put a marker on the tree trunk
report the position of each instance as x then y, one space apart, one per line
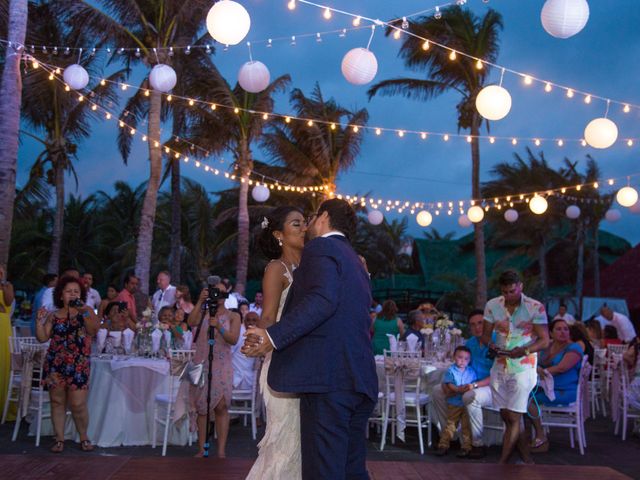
542 261
58 219
478 228
148 214
596 261
580 266
10 99
243 222
176 222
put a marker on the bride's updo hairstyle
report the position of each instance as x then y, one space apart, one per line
273 222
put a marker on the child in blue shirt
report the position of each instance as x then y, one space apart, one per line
460 378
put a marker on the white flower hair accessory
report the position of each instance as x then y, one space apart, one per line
265 223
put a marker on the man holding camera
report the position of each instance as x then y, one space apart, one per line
520 325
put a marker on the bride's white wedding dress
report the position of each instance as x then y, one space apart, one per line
279 456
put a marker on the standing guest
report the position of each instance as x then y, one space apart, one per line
67 364
626 331
93 297
595 332
48 281
520 324
6 299
183 299
580 336
126 295
564 315
415 319
112 293
175 325
256 306
632 360
47 296
165 296
226 325
387 322
243 366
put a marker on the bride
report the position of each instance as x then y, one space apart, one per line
282 240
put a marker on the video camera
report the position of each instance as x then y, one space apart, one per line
494 352
215 294
76 303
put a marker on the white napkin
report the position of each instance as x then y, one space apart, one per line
393 342
187 339
547 383
117 338
155 340
101 338
127 340
412 342
167 338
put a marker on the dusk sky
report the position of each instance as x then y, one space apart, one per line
601 59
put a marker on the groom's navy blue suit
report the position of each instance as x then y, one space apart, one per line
323 351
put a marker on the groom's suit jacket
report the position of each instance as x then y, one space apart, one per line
322 339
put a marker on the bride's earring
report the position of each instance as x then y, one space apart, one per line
280 242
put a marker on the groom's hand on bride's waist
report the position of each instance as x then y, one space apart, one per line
256 342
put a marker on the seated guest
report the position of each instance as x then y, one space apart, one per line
243 366
387 322
580 336
256 306
416 322
563 360
243 309
595 332
117 317
183 300
166 317
610 337
632 360
564 315
112 293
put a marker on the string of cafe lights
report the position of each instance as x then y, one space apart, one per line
258 179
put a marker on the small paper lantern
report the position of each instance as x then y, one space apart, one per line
162 78
493 102
424 218
572 212
254 76
511 215
627 196
464 221
475 214
228 22
564 18
359 66
375 217
260 193
76 76
613 215
601 133
538 205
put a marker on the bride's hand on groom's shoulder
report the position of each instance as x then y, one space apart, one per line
256 343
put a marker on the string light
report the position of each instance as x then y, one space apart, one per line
327 13
547 87
587 99
425 45
528 80
570 93
453 55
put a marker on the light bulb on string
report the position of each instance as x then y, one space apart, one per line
453 55
327 13
626 108
587 99
569 93
547 87
356 21
479 65
528 80
396 34
291 5
425 45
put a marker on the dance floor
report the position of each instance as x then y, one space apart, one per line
94 467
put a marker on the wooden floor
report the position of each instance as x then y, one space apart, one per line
96 467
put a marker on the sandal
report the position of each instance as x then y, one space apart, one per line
540 446
86 446
57 447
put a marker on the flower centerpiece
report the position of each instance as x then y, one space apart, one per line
143 332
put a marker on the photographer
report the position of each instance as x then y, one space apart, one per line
210 313
66 366
118 318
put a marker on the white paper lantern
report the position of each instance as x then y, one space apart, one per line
601 133
228 22
613 215
475 214
359 66
635 208
564 18
254 76
260 193
511 215
76 76
538 205
464 221
375 217
572 212
424 218
493 102
627 196
162 78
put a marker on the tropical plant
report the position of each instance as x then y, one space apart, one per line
462 31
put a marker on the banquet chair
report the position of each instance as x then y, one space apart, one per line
611 351
414 399
597 382
491 420
570 416
15 375
377 416
624 410
244 402
164 406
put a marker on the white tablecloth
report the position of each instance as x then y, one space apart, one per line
121 402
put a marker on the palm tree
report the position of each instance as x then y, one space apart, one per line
464 32
150 27
434 234
316 154
15 16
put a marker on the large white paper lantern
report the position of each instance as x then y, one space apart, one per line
493 102
564 18
613 215
228 22
538 205
260 193
627 196
254 76
359 66
601 133
635 208
464 221
375 217
475 214
572 212
424 218
511 215
162 78
76 76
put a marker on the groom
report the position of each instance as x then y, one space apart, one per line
322 349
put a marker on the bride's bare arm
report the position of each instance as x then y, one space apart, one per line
273 283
